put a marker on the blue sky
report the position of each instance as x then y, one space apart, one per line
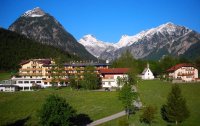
108 20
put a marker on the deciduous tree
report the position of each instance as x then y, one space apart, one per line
127 96
56 112
148 115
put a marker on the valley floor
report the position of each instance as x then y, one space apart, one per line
23 106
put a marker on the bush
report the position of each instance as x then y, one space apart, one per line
56 112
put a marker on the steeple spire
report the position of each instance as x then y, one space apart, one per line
147 65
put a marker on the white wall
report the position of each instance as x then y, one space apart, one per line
108 83
148 75
186 70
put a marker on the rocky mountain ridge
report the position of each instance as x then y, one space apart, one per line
44 28
166 39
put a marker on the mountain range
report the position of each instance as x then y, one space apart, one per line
44 28
154 43
166 39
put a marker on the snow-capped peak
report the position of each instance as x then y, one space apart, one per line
168 28
95 46
90 40
35 12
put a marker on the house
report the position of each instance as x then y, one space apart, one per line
184 72
147 74
9 88
109 76
32 72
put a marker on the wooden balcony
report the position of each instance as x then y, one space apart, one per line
31 69
186 74
59 74
30 74
69 68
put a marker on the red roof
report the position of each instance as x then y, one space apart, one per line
114 71
179 66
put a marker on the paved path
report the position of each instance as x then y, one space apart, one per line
106 119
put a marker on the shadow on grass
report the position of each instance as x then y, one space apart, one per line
81 120
20 122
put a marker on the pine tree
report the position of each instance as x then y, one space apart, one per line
175 110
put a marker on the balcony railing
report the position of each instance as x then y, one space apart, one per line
185 74
30 74
30 69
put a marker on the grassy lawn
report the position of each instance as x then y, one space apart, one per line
155 92
4 76
19 105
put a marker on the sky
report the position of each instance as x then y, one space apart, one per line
107 20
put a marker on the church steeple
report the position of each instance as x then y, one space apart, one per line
147 65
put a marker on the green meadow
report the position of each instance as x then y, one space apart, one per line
155 92
23 106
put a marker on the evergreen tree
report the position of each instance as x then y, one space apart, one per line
56 112
148 115
175 110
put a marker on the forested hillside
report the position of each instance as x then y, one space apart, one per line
14 48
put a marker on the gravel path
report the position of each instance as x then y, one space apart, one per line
108 118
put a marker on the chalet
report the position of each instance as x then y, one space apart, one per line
147 74
109 76
184 72
32 72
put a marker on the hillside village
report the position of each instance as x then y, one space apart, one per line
44 73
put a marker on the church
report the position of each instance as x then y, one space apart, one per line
147 74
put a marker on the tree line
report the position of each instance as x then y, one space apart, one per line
157 67
15 47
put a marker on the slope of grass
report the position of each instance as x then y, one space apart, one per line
19 105
155 92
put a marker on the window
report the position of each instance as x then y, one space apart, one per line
38 81
32 82
20 82
26 82
45 83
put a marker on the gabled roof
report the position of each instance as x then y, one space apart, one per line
114 71
43 61
174 68
144 71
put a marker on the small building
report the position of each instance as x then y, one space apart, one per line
183 72
109 76
9 88
147 74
